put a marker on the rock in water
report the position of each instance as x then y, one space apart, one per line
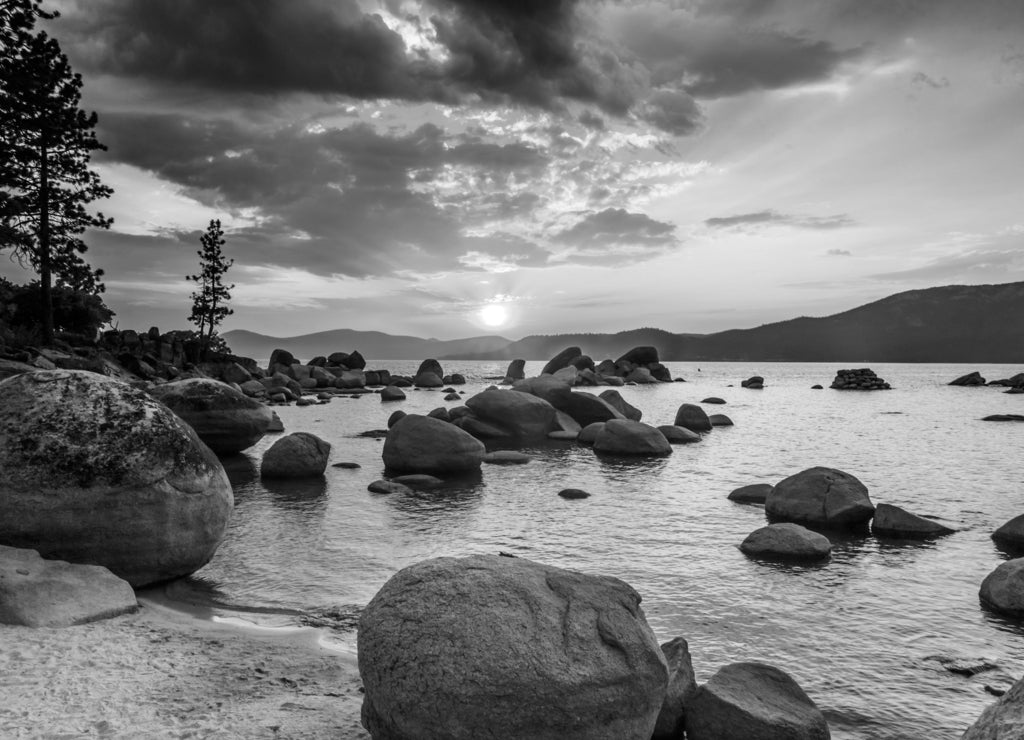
562 359
682 687
861 379
625 437
297 455
1003 720
892 521
422 444
1010 536
523 416
755 493
1003 589
693 417
786 541
971 379
97 472
822 497
678 435
615 399
53 593
226 420
486 646
744 701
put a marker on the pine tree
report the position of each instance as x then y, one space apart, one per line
209 303
46 142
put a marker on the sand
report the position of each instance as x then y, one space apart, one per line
163 673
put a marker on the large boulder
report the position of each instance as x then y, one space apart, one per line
1003 720
281 357
743 701
786 541
422 444
625 437
524 416
586 408
490 646
1003 589
620 404
640 356
516 371
555 391
820 497
693 417
892 521
95 471
562 359
226 420
296 455
428 380
430 366
53 593
678 435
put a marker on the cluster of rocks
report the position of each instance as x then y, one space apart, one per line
754 382
544 653
1013 384
862 379
640 365
827 499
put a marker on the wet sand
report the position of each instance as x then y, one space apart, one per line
163 673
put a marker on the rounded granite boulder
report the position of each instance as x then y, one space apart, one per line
423 444
522 416
489 646
97 472
225 419
892 521
625 437
820 497
296 455
693 417
1003 589
786 541
1010 536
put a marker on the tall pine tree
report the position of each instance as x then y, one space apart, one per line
46 142
209 302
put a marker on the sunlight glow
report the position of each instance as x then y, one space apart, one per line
493 314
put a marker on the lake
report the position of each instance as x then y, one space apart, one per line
857 633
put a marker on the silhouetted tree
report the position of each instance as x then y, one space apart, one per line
46 142
209 303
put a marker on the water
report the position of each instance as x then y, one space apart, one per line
855 633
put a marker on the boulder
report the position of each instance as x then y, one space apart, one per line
395 417
440 413
892 521
276 425
551 389
620 404
1002 720
525 417
1003 589
682 687
235 373
562 359
388 486
349 379
253 388
355 361
756 493
640 356
391 393
95 471
419 481
481 429
860 379
586 408
507 457
282 357
1004 417
490 646
337 358
567 375
430 366
573 494
428 380
296 455
421 444
565 423
1010 536
786 541
678 435
625 437
516 371
754 381
583 362
693 417
54 593
589 433
743 701
820 497
971 379
454 379
713 400
640 376
225 419
720 420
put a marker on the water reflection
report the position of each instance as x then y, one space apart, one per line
241 469
298 494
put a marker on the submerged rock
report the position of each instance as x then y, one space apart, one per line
508 647
95 471
573 493
822 497
507 457
1003 720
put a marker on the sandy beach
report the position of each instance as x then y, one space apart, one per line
163 673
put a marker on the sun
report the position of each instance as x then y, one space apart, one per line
493 314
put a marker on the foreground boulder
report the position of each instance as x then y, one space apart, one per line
625 437
97 472
423 444
1003 720
786 541
682 687
892 521
753 700
820 497
226 420
1003 589
53 593
297 455
490 646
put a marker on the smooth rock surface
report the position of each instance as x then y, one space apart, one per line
1003 589
756 493
892 521
682 687
693 417
678 435
54 593
524 416
616 401
296 455
422 444
225 419
505 647
786 541
823 497
744 701
1010 536
625 437
589 433
1003 720
95 471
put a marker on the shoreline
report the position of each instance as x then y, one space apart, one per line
171 672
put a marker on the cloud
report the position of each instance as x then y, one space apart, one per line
998 262
772 217
673 111
839 253
920 79
615 230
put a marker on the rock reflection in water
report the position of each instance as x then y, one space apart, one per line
298 494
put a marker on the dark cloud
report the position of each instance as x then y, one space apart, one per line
673 111
618 227
769 217
839 253
591 120
920 79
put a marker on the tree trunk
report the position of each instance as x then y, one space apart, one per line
45 276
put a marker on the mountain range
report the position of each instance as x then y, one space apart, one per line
956 323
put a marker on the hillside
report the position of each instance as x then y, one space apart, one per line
957 323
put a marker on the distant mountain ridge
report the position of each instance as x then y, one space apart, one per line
956 323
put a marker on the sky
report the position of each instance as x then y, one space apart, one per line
451 168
